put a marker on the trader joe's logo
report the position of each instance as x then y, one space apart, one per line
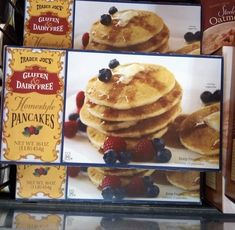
34 79
48 23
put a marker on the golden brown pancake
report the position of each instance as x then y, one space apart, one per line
100 124
128 27
131 85
197 135
148 126
96 175
192 48
189 180
160 106
97 138
153 44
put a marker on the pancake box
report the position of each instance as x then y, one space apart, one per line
113 26
48 23
132 185
40 182
75 106
218 25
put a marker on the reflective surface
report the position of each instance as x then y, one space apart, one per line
25 217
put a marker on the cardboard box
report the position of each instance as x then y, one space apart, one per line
149 96
136 185
48 23
40 182
218 25
138 27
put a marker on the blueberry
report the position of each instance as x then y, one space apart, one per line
113 10
84 169
197 36
105 75
110 157
107 193
148 181
158 143
216 95
163 156
189 37
152 191
81 127
73 116
105 19
119 193
206 97
36 132
113 63
26 129
125 157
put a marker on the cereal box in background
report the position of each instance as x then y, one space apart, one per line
218 24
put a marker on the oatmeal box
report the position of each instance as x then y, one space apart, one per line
218 25
132 185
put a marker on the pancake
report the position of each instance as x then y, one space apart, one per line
96 175
128 27
158 107
97 138
192 48
131 85
148 126
153 44
199 132
189 180
100 124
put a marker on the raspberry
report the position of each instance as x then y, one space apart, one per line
70 128
73 171
136 187
32 130
117 144
80 99
143 151
85 39
111 181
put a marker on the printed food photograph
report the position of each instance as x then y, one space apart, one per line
142 110
118 185
114 26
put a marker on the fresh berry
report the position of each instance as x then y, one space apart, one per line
143 151
136 187
152 191
113 10
125 157
158 143
73 171
85 39
119 193
113 63
206 97
70 128
73 116
163 156
217 95
111 181
32 129
107 193
80 97
105 19
36 132
117 144
148 181
26 129
110 157
189 37
105 75
198 36
81 126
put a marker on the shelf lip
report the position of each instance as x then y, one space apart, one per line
71 208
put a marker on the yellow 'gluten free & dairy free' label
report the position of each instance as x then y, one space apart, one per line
33 105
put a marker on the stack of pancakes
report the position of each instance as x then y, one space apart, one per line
130 30
97 174
140 101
